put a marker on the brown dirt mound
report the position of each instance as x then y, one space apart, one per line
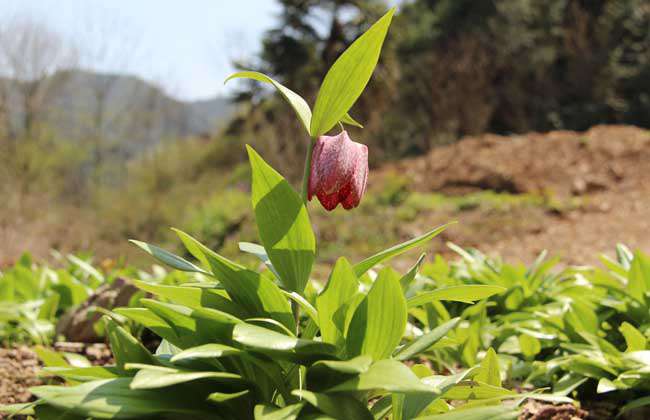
562 163
607 168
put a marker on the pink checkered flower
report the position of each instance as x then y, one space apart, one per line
339 171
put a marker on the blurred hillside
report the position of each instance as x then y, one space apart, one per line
131 115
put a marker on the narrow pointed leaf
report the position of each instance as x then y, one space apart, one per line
385 255
206 351
125 347
168 258
348 77
427 340
466 293
255 293
162 378
489 371
347 119
296 101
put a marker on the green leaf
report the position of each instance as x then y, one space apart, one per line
427 340
489 371
410 406
379 321
154 323
347 119
219 397
639 402
193 297
332 303
325 374
194 326
529 345
385 255
472 390
125 347
168 258
259 252
634 339
359 364
337 406
267 412
304 304
276 344
385 375
466 293
26 409
206 351
348 77
83 374
296 101
50 358
162 377
408 278
502 412
49 308
113 398
86 268
257 294
283 224
639 277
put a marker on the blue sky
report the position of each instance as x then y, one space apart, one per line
184 45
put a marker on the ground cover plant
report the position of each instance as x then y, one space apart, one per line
34 298
580 331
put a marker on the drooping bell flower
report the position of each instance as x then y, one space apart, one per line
339 171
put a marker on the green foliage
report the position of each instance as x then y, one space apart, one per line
283 224
579 330
33 297
232 347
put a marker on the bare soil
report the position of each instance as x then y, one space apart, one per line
605 169
19 368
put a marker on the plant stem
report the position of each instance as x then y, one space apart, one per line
305 174
305 185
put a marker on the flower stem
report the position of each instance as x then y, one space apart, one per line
305 185
305 174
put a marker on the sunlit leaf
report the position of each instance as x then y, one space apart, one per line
466 293
283 224
380 319
348 77
298 104
385 255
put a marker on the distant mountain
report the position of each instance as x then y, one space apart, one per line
128 114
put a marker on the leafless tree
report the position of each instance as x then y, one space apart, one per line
109 47
31 55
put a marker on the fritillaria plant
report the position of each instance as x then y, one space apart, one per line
235 347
